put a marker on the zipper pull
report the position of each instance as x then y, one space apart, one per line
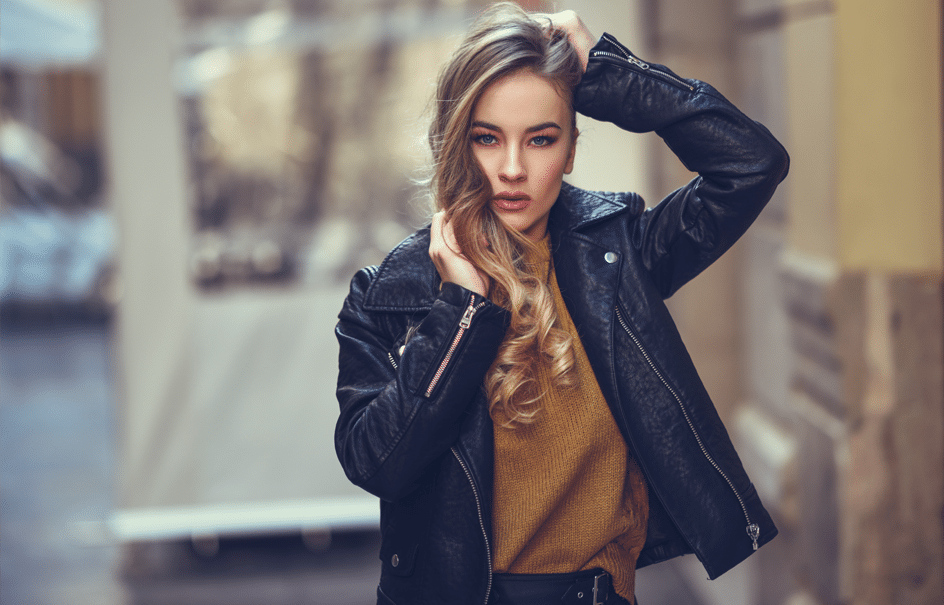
753 531
637 62
467 316
626 54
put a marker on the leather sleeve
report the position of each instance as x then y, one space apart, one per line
739 163
392 425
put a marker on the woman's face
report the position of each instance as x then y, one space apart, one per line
524 139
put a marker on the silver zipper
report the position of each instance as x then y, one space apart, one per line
478 506
393 361
464 324
753 530
627 56
631 59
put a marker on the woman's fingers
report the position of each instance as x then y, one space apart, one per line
449 236
435 232
446 255
577 32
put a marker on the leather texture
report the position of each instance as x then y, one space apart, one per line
428 455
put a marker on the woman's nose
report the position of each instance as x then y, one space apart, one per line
512 168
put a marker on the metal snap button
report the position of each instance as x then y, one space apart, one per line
394 560
401 350
610 257
579 595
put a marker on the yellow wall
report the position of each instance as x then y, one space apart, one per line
810 88
888 108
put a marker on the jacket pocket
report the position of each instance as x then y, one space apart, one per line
398 552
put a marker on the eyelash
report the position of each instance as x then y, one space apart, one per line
548 140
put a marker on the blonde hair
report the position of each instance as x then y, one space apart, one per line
503 40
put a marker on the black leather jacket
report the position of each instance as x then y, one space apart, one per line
414 427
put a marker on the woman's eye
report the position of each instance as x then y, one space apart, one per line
542 141
485 139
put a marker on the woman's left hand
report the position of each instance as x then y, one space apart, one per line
577 32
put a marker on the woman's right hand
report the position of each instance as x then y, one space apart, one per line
452 265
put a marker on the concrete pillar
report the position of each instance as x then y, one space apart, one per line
147 184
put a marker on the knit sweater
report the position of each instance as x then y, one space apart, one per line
567 496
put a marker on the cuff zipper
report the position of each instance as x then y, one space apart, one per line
464 324
629 58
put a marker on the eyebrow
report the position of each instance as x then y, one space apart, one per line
535 128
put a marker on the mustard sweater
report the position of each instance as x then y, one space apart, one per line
567 496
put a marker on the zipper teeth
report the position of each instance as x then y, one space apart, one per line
478 506
627 56
620 47
470 311
673 78
393 361
603 53
445 362
691 426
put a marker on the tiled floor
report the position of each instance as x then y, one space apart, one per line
57 463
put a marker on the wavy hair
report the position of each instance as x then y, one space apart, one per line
503 40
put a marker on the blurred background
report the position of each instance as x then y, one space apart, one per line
187 186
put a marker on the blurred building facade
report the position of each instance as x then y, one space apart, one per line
820 335
56 236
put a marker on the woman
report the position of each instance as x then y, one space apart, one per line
511 384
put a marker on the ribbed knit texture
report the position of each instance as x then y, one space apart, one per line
567 497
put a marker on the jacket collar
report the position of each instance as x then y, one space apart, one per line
407 279
577 208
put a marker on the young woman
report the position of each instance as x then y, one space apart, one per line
511 384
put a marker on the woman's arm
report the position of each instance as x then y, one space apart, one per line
401 411
738 161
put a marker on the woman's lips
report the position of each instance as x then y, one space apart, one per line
511 201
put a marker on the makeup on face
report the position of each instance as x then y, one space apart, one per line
523 139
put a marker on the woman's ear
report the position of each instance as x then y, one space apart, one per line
568 168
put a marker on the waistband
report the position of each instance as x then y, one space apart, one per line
591 587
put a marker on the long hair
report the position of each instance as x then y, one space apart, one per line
503 40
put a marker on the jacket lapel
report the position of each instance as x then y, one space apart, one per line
587 262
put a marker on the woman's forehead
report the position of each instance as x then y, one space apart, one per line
521 99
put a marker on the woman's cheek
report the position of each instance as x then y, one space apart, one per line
556 169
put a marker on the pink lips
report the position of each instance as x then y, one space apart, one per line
512 200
